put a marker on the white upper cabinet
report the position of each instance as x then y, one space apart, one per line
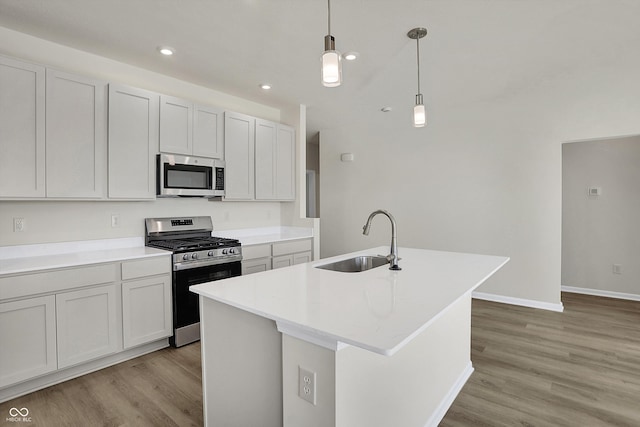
133 142
275 161
190 129
285 156
239 146
22 129
176 118
75 136
266 142
208 136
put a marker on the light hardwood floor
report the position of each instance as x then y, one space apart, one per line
532 368
541 368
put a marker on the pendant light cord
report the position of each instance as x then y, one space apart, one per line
329 17
418 56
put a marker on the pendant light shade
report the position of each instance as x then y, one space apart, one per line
331 58
419 112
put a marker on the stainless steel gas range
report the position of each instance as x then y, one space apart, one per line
197 258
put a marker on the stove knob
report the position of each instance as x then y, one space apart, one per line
232 251
194 256
224 252
210 253
185 257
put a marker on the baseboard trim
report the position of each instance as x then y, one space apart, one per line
519 301
447 401
600 293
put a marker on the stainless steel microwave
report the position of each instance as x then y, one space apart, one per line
189 176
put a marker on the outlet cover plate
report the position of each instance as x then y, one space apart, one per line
307 385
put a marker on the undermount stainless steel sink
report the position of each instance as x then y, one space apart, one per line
356 264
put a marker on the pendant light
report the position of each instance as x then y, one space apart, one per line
419 113
331 58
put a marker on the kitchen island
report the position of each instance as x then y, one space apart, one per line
314 347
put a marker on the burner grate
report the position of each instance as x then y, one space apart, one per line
193 244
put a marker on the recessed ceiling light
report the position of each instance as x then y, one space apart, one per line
350 56
265 86
166 50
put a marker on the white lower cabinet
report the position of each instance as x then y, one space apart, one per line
88 326
257 258
290 253
251 266
282 261
28 337
291 259
64 318
146 310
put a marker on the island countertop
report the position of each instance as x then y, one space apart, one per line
378 310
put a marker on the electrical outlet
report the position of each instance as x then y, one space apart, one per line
115 220
307 385
617 269
19 224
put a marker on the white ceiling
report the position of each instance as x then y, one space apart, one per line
475 49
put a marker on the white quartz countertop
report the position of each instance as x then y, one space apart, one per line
378 310
258 236
32 258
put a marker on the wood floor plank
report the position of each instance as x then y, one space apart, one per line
540 368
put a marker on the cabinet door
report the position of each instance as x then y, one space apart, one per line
133 142
282 261
285 156
208 138
302 257
239 149
275 161
176 121
87 324
28 337
255 265
266 136
22 128
146 310
75 136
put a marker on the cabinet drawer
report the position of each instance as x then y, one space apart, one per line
284 248
146 267
52 281
256 251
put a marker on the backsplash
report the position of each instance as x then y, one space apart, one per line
50 221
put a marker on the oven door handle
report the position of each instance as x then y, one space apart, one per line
205 263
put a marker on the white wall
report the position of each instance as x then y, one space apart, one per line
52 221
599 231
482 177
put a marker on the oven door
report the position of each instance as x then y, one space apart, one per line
185 176
186 310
